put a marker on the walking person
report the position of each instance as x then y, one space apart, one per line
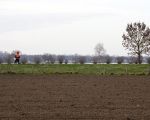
17 57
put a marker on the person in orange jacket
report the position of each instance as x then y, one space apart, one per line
17 57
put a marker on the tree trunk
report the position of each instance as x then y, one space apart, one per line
139 54
139 58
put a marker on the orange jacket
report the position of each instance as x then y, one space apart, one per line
17 56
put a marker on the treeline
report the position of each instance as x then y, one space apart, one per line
8 58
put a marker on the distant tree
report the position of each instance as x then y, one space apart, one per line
66 61
132 60
148 60
137 39
45 57
1 59
89 59
49 58
120 60
60 58
24 59
9 58
108 59
13 53
99 50
37 59
52 59
135 60
95 59
75 59
82 59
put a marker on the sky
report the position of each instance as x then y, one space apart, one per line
68 26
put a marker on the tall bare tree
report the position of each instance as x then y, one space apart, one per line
137 39
99 50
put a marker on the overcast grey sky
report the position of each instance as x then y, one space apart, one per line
68 26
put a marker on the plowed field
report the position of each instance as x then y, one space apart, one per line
74 97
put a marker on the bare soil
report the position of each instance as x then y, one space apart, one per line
74 97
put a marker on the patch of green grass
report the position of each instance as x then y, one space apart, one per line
93 69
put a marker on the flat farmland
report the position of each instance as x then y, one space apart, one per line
84 69
74 97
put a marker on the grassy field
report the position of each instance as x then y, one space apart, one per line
99 69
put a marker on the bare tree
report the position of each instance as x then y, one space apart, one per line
137 39
1 59
148 60
49 58
45 57
52 58
95 59
99 50
66 61
108 59
75 59
9 58
24 59
37 59
120 60
132 60
60 58
82 59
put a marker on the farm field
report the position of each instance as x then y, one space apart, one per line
74 97
85 69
